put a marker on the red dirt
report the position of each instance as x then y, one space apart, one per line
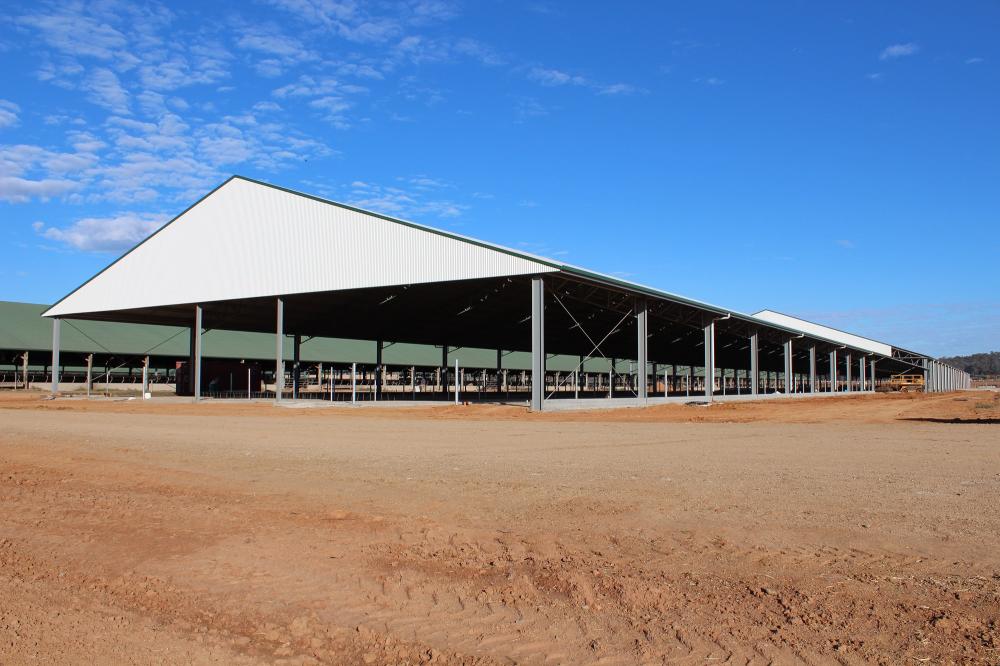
844 530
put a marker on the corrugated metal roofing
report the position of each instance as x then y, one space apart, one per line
828 332
250 240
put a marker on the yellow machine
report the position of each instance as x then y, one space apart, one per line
905 383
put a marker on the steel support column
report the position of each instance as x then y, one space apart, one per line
56 324
296 364
642 341
812 369
710 360
279 350
871 366
833 371
789 385
537 343
754 365
378 369
444 370
848 378
90 370
197 352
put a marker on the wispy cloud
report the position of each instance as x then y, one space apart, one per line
104 89
108 234
19 190
974 61
555 78
526 108
898 51
8 113
845 243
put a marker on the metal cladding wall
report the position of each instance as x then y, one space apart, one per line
247 240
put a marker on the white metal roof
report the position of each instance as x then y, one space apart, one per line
247 239
812 328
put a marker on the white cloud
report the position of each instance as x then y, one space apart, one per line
402 202
309 86
73 32
333 107
618 89
479 51
898 51
106 90
20 190
555 77
107 234
280 51
8 113
529 107
974 61
346 18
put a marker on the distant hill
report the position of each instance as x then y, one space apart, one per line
977 365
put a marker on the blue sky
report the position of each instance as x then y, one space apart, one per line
837 161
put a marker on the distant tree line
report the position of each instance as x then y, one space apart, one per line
977 365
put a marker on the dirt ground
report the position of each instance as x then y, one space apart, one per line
843 530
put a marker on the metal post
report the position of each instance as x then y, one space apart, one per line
378 369
871 366
90 369
197 352
754 364
499 371
296 350
458 379
24 370
642 336
861 374
833 371
848 359
789 386
145 377
709 360
444 370
812 369
665 385
354 383
537 343
279 350
928 370
56 322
